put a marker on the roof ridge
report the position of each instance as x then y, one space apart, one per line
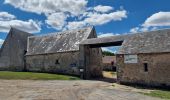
150 31
16 29
62 32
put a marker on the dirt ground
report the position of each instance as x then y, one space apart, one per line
65 90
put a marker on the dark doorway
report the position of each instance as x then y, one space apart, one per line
110 74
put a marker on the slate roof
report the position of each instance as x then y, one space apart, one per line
57 42
102 40
147 42
21 37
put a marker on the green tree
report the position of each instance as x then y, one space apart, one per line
107 53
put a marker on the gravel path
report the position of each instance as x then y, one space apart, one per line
64 90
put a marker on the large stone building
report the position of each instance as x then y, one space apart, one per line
54 53
60 53
109 63
144 58
13 50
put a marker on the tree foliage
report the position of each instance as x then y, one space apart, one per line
107 53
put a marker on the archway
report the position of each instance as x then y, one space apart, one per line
96 43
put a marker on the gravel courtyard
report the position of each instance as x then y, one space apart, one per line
64 90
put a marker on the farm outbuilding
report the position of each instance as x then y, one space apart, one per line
109 63
53 53
13 50
60 53
143 58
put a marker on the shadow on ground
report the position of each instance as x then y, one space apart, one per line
106 79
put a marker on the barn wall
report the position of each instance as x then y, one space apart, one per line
95 66
93 59
13 51
93 62
68 63
158 70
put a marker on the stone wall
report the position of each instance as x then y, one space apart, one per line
95 65
65 63
158 73
107 67
13 50
93 62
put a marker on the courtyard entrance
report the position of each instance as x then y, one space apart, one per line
114 41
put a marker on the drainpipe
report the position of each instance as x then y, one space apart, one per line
82 62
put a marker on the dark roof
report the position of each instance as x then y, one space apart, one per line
57 42
110 39
147 42
21 37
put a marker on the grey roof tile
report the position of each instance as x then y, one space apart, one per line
57 42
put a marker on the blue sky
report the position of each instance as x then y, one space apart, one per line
110 17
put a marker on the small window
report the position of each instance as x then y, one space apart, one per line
25 52
57 62
146 67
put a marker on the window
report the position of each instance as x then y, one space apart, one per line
146 67
25 52
57 62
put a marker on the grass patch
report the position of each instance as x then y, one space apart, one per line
113 73
113 85
164 94
34 76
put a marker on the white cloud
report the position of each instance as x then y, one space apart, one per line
103 9
74 7
99 19
56 20
1 41
107 34
6 16
140 29
107 49
113 49
94 18
154 22
75 24
134 30
158 19
58 12
10 21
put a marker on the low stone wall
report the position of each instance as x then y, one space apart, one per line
65 63
158 73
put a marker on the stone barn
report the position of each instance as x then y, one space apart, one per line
60 53
13 50
109 63
144 58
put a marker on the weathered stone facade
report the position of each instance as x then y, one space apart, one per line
93 62
65 63
53 53
61 53
13 50
151 52
158 73
109 63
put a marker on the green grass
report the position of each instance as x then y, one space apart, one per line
34 76
113 73
159 93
